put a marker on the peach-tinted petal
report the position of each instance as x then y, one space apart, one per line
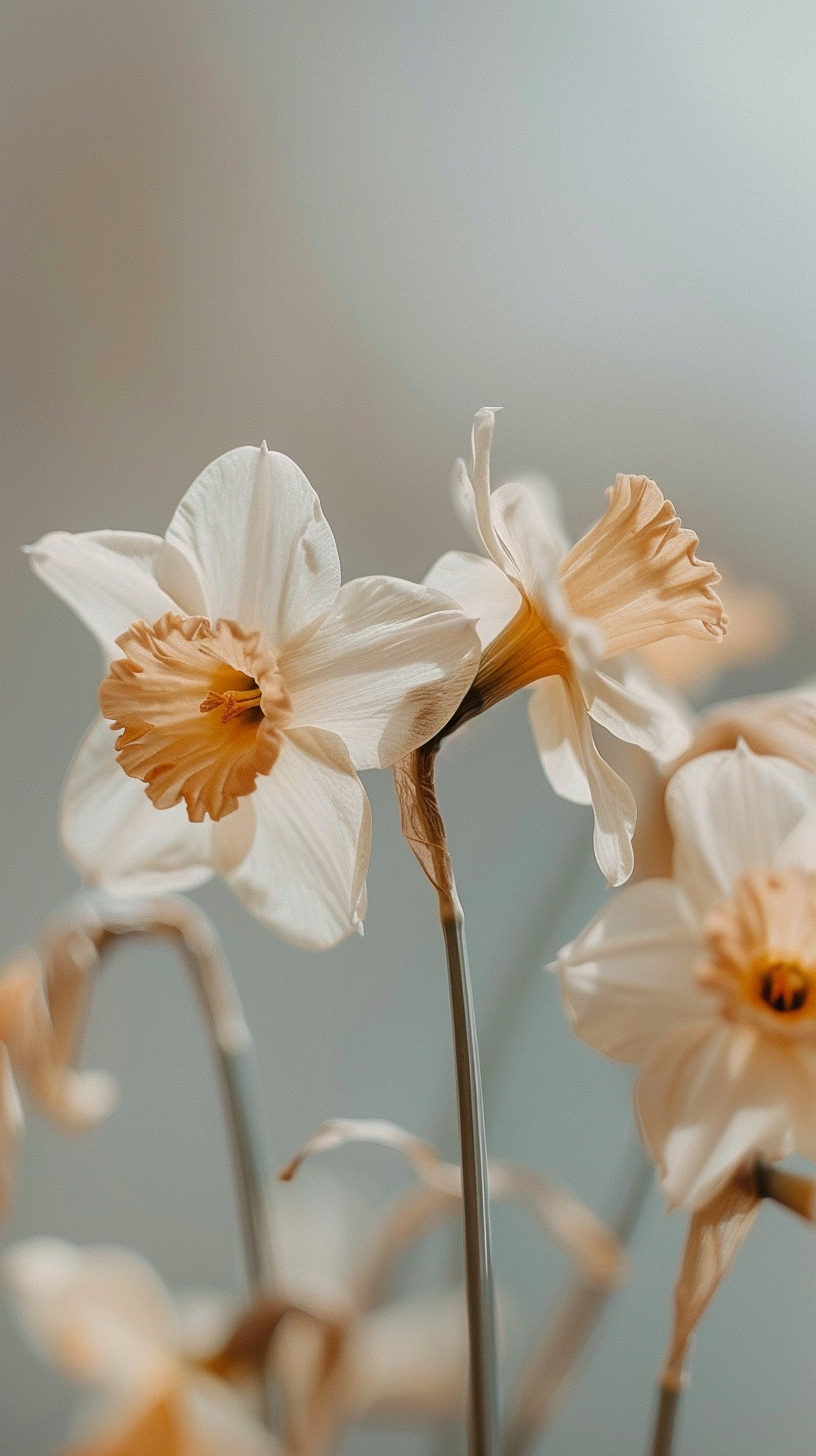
730 813
408 1359
252 529
480 588
305 872
758 626
385 670
635 572
114 835
780 724
708 1103
628 979
11 1128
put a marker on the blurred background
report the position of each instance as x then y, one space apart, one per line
345 227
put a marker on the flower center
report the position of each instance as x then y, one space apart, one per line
762 951
200 711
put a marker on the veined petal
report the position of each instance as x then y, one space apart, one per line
529 539
100 1315
730 812
613 803
481 440
631 708
252 529
481 589
384 670
109 578
305 872
552 719
628 979
710 1100
115 836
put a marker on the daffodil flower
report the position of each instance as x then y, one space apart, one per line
245 687
103 1318
707 980
555 619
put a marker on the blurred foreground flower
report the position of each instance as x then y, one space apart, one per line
708 981
549 617
39 1031
250 689
103 1317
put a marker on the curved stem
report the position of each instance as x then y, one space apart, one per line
106 922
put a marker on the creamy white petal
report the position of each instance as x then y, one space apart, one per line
219 1423
711 1100
107 577
730 812
528 538
552 719
481 440
613 803
100 1315
631 708
252 528
385 669
799 847
115 836
480 588
628 979
409 1358
305 873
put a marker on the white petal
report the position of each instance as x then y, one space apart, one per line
481 589
100 1315
109 578
385 669
319 1226
219 1423
305 872
799 847
481 440
710 1100
630 707
730 813
409 1359
628 979
252 528
529 539
552 719
115 836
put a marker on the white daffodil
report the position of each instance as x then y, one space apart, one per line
553 618
246 687
708 980
103 1317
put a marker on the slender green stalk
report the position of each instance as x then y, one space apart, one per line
475 1194
668 1404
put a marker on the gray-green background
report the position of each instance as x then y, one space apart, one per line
344 227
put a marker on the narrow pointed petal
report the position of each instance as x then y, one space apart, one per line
552 719
628 979
252 528
385 670
480 588
482 439
305 872
115 836
112 579
708 1104
730 812
632 709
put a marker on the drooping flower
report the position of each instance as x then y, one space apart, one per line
558 619
245 688
37 1045
104 1318
707 981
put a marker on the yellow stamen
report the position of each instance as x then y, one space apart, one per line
233 703
761 951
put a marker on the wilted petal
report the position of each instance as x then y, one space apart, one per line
628 979
252 528
481 589
385 670
305 872
711 1101
730 813
99 1315
115 836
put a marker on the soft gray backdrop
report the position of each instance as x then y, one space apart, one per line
345 227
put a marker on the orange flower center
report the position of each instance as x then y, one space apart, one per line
200 710
761 951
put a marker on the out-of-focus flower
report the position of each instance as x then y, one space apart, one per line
758 625
554 618
708 981
246 686
103 1317
37 1044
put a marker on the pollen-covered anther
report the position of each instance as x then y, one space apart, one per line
200 710
762 950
